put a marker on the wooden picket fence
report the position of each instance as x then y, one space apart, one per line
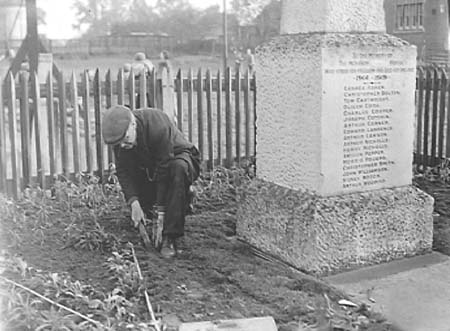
53 128
432 143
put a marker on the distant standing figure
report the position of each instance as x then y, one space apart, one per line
126 70
237 59
250 61
168 91
142 63
164 61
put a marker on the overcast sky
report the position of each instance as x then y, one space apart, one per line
60 16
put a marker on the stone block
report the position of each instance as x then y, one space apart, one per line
340 117
324 235
257 323
332 16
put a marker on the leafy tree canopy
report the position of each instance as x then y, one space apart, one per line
177 18
248 10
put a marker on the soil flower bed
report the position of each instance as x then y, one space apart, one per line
71 245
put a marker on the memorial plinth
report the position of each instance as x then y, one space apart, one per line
335 129
340 115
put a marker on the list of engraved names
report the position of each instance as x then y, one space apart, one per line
367 111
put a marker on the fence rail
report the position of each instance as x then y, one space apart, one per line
54 128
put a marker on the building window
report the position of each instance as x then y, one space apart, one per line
420 15
406 16
399 20
414 20
409 16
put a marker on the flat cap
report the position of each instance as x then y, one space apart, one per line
115 124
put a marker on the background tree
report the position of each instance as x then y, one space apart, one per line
41 16
258 20
177 18
100 15
268 20
250 22
143 13
246 11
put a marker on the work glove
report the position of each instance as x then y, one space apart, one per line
158 229
137 214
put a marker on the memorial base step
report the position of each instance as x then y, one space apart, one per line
325 235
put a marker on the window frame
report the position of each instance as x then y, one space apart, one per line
406 17
409 15
420 14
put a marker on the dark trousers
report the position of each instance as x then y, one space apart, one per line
183 171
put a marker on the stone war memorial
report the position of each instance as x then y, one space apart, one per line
335 121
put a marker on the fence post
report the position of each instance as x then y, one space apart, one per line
426 121
109 95
447 147
180 89
237 101
63 126
419 137
209 119
159 91
143 90
434 131
200 112
51 125
255 129
167 104
219 118
75 124
120 88
98 124
57 135
228 131
132 89
36 97
3 172
11 88
87 122
190 83
153 88
25 130
442 114
247 113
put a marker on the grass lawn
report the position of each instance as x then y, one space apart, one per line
115 62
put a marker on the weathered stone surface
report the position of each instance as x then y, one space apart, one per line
302 123
257 323
327 234
304 16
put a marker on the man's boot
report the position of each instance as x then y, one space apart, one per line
169 247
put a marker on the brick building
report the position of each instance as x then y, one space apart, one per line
424 23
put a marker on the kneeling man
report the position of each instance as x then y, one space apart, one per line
155 166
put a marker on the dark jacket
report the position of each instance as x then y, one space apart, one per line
158 142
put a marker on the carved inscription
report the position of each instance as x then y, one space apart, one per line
367 111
